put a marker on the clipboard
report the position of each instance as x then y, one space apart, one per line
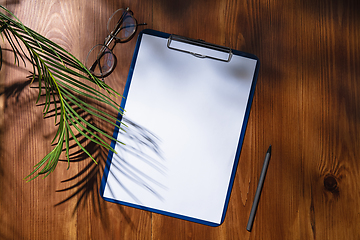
187 104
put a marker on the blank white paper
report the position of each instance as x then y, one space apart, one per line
184 117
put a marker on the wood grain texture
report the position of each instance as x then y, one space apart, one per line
306 104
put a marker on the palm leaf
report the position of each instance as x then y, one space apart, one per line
65 81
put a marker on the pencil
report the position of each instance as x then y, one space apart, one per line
258 190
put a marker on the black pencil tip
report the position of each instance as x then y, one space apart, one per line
269 150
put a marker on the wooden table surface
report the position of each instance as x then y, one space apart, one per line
306 105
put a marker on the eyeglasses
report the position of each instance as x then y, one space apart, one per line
121 27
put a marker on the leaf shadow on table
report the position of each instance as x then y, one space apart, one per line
85 185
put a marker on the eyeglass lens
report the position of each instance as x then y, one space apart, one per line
121 25
100 60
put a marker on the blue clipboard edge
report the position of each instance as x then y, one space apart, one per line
238 151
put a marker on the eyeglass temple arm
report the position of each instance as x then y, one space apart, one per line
118 24
111 36
92 68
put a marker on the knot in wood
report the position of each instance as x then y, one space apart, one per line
330 183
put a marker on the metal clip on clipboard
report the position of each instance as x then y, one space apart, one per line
199 48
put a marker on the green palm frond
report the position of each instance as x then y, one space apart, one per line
65 81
